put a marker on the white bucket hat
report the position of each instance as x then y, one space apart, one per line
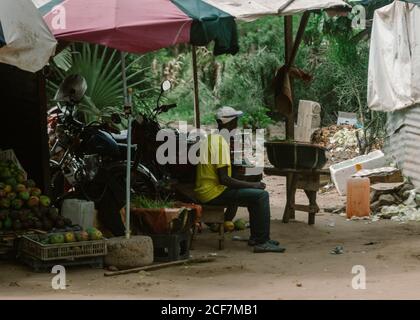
227 114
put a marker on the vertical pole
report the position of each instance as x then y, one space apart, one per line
288 37
124 78
196 97
128 175
127 111
288 47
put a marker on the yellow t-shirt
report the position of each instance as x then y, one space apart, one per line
207 185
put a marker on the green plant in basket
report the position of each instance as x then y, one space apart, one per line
147 203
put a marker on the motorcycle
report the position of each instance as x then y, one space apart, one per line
88 161
144 132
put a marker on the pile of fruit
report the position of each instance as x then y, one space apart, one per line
22 204
229 226
90 234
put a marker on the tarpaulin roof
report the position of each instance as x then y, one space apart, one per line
146 25
25 41
252 9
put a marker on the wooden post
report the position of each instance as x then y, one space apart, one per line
288 48
196 97
288 37
299 36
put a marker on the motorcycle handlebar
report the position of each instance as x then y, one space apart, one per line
165 108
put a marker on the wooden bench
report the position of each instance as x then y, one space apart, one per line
307 180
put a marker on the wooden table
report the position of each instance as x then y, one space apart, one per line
307 180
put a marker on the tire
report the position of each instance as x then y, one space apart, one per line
56 183
114 198
58 190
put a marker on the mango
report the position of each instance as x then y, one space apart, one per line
69 237
36 192
229 226
24 195
17 204
33 202
240 224
82 236
5 203
11 196
44 201
56 238
20 188
94 234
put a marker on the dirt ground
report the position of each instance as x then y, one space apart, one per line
389 252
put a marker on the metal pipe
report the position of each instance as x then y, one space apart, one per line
127 111
196 97
128 178
124 78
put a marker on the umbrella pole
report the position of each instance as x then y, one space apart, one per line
196 99
128 113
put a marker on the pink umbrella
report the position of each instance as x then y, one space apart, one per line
126 25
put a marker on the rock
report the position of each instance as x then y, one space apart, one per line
374 196
375 206
406 187
418 199
335 209
113 268
387 200
129 253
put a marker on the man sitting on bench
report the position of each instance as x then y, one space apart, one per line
215 186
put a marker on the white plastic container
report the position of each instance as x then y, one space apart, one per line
342 171
80 212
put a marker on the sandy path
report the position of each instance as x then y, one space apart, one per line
306 271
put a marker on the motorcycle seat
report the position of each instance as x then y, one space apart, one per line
121 137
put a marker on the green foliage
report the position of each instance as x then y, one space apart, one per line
101 67
256 119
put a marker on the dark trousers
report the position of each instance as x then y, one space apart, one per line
258 203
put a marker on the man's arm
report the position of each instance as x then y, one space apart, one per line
235 183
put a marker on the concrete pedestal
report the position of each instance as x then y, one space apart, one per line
129 253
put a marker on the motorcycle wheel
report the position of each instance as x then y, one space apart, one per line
59 190
114 197
142 182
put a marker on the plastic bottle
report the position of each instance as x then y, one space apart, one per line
358 196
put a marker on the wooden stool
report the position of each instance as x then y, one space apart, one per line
215 215
307 180
209 215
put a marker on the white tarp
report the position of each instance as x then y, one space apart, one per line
28 42
394 60
253 9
